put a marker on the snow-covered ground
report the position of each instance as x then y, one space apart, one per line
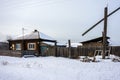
57 68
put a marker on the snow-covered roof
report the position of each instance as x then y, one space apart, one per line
34 35
61 44
75 44
95 40
52 44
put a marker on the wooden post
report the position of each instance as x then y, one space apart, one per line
56 48
105 32
10 45
100 21
39 44
39 48
69 49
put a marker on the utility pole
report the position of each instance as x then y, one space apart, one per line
22 42
23 38
39 45
100 21
105 32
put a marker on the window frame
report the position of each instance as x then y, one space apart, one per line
31 46
17 46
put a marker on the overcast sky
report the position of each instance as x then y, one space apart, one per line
60 19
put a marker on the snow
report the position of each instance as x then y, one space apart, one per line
75 44
34 35
57 68
61 44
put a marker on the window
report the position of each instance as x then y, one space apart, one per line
31 46
13 47
18 46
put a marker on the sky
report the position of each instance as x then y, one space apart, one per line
60 19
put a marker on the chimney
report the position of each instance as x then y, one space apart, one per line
35 30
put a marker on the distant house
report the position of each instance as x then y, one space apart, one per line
35 43
94 42
4 46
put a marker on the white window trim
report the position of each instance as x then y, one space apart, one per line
31 48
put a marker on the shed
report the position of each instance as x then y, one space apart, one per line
94 42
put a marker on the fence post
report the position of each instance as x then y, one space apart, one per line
56 49
69 49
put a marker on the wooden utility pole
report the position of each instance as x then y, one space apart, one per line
105 28
100 21
39 45
105 32
23 38
22 42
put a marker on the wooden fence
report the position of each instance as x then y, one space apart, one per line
79 51
115 50
85 51
10 53
64 51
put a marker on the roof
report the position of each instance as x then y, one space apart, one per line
75 44
61 44
34 35
95 40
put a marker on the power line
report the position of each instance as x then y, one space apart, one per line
32 3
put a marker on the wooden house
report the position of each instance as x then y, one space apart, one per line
35 43
94 42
